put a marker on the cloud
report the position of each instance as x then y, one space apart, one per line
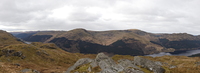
80 14
160 16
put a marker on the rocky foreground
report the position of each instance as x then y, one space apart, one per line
104 64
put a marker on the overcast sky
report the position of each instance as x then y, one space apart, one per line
156 16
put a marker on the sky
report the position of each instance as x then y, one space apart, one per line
155 16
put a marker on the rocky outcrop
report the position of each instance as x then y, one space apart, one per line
7 52
107 65
150 65
79 63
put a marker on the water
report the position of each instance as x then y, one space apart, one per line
183 53
27 42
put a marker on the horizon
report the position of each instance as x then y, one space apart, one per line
101 30
155 16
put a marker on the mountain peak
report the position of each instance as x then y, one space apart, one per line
132 29
78 29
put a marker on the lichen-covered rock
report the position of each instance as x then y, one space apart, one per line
148 64
127 63
129 67
107 64
79 63
158 63
132 70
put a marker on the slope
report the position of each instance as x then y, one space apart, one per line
7 39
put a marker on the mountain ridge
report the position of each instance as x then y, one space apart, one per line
133 39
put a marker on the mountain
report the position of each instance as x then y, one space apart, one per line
124 42
37 57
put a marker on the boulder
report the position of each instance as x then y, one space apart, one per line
107 64
150 65
19 54
79 63
129 67
132 70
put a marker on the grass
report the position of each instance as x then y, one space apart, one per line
183 64
43 59
118 57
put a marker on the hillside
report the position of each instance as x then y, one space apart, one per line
124 42
7 39
45 58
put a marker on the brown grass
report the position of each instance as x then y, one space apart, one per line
49 60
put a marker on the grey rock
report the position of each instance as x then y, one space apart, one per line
79 63
172 66
29 71
158 63
35 71
148 64
132 70
129 67
19 54
93 64
127 63
107 64
23 57
89 69
108 71
26 70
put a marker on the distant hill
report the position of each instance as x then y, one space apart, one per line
124 42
